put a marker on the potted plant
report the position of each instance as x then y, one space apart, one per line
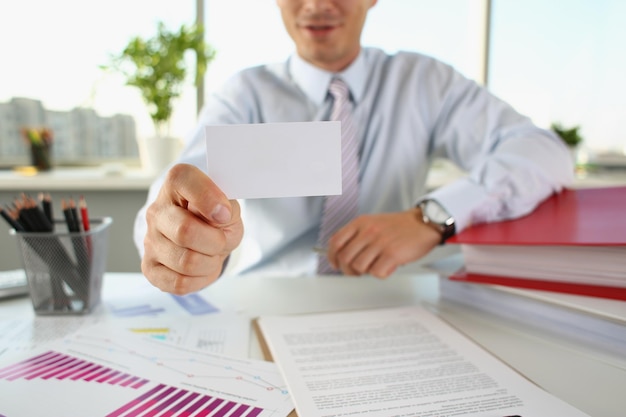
40 143
157 67
570 136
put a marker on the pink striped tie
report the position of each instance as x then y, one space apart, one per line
340 209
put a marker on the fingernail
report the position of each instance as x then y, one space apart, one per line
221 214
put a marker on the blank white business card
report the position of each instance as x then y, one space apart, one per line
273 160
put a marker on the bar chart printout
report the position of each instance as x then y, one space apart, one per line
95 375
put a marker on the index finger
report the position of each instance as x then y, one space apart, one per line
339 241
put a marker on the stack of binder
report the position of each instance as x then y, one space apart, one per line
574 242
598 323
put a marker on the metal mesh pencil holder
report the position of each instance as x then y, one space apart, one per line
65 269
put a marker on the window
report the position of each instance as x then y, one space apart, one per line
57 65
52 55
556 61
450 30
563 61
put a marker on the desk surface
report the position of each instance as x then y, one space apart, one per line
590 380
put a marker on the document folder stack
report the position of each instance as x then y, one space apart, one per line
574 242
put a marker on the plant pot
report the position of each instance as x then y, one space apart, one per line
158 152
573 151
40 157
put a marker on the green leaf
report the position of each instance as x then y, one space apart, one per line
570 136
157 67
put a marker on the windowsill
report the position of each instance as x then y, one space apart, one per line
444 172
118 177
600 178
106 177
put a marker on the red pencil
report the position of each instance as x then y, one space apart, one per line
84 214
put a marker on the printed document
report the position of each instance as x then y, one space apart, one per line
396 362
104 371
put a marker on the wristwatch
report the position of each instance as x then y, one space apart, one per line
435 216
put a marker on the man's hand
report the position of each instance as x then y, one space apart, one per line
378 244
192 229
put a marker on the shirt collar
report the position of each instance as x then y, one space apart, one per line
315 81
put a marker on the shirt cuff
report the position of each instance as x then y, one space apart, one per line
467 202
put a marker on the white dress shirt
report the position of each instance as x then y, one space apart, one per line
409 109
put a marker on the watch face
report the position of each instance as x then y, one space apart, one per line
435 212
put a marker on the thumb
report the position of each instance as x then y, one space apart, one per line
221 214
192 189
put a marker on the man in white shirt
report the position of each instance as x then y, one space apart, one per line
408 109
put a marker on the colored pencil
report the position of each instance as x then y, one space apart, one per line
84 213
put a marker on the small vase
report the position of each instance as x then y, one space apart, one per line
158 152
40 157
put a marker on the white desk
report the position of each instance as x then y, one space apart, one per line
590 380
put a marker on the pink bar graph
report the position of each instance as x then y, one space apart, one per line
55 365
48 368
108 376
203 400
158 401
222 411
137 401
239 411
91 368
98 374
9 370
89 373
129 381
70 367
165 404
255 412
209 408
140 383
179 406
150 402
119 379
81 367
27 370
61 367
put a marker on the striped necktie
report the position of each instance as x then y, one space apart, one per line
340 209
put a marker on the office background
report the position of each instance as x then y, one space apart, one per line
557 61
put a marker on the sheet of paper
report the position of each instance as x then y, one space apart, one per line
275 159
19 335
399 361
222 333
121 301
102 372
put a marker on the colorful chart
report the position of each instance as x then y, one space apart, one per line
161 400
139 377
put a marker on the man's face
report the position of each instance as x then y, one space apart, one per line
327 33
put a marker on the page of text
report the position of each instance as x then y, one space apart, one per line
397 362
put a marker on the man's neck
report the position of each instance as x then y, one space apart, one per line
332 65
